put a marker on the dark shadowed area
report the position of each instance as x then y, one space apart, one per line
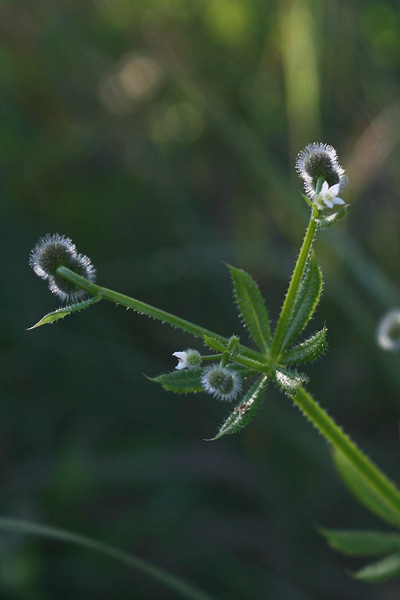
161 136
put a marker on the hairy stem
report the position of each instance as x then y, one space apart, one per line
151 311
293 290
337 438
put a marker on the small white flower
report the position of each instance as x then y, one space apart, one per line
190 359
328 196
182 360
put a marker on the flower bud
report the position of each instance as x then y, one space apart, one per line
221 382
320 161
53 251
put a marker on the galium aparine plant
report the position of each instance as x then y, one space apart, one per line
234 371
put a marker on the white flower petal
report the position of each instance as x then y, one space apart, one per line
338 201
325 188
334 189
328 201
182 360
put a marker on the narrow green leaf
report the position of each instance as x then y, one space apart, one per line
306 301
307 200
241 370
329 220
244 412
365 493
184 381
289 381
188 381
252 308
255 365
381 570
307 351
215 344
362 543
62 312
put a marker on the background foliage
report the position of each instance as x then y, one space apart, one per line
160 135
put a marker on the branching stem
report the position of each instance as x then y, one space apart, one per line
151 311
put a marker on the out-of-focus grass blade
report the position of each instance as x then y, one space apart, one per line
362 543
381 570
167 579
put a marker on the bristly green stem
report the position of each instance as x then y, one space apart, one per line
293 290
258 363
151 311
337 438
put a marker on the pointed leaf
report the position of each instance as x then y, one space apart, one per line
62 312
289 381
307 351
329 220
365 493
215 344
244 412
252 308
306 302
184 381
362 543
307 200
381 570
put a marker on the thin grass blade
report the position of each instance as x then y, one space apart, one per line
169 580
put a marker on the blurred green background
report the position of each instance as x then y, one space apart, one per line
161 135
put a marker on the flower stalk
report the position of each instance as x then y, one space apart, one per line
310 408
70 274
156 313
293 290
